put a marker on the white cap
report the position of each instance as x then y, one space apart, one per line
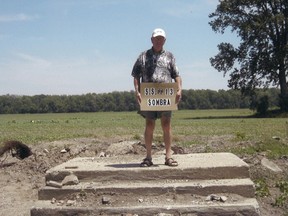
158 32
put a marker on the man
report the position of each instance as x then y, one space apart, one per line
157 65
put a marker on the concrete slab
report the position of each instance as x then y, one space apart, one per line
126 167
130 189
247 207
242 187
271 165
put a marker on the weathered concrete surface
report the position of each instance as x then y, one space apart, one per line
191 166
242 187
247 207
270 165
151 190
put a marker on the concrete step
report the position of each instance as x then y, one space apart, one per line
244 207
243 187
191 166
129 189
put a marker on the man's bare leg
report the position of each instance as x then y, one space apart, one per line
148 136
166 127
167 134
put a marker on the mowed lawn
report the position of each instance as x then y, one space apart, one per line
195 124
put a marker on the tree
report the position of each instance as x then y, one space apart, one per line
261 59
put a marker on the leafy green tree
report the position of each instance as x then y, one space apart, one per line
88 102
261 59
9 104
27 106
188 100
224 100
130 101
108 102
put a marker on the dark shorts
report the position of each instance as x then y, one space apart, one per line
155 114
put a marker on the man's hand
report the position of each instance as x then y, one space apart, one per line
178 80
136 82
178 96
138 97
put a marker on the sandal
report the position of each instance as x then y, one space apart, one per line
171 162
147 162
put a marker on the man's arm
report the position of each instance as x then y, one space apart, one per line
178 80
137 89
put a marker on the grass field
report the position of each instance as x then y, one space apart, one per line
189 127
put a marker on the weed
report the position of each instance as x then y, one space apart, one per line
240 135
273 149
158 138
283 198
137 137
176 139
250 150
189 143
208 149
262 189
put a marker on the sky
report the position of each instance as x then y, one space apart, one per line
74 47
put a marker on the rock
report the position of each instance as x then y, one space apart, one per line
102 154
60 203
208 198
63 151
71 202
223 198
178 150
70 180
276 137
106 200
54 184
214 197
53 201
270 165
46 151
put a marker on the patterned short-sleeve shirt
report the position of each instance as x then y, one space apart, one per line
155 67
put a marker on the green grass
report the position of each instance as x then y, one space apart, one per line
33 128
190 127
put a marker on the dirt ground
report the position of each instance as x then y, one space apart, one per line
21 179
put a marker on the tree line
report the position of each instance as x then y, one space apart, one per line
126 101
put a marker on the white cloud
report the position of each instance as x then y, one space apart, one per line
37 75
17 17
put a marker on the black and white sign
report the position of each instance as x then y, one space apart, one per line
158 96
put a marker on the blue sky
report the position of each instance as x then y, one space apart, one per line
89 46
